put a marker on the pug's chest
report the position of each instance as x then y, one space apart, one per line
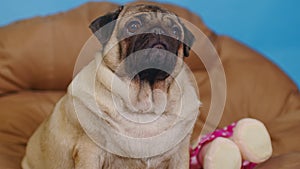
117 162
91 156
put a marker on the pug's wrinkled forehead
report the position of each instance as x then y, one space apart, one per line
149 16
131 10
134 20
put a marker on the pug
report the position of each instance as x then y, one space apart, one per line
132 107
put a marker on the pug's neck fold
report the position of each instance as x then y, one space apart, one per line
97 104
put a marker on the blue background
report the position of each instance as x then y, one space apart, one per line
272 27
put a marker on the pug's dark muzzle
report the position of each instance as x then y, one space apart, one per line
152 57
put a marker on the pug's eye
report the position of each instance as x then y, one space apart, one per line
176 31
133 26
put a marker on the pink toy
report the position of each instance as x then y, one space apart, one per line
240 145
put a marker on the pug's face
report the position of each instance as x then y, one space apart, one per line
144 46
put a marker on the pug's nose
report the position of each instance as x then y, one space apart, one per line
157 30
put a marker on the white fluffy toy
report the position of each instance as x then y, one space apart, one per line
241 145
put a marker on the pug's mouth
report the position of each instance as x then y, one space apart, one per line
151 73
148 91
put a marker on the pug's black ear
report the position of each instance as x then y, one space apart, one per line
104 34
188 41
